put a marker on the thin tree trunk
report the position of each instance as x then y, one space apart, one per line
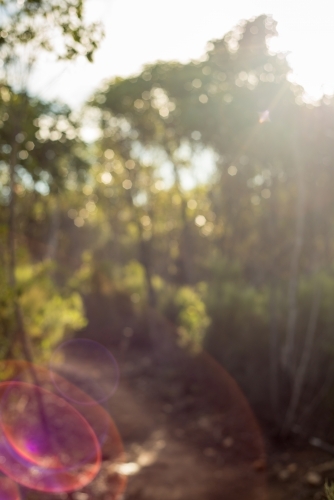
145 254
53 237
185 247
272 229
304 362
274 365
21 331
288 349
11 219
320 395
145 259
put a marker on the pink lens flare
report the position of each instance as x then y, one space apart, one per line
44 428
22 371
46 442
44 435
8 489
39 478
87 365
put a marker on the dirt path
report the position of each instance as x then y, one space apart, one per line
186 438
162 464
189 434
175 446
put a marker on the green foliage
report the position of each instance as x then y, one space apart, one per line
185 308
104 277
49 25
254 232
192 317
38 155
50 313
329 491
132 279
6 315
42 140
238 311
230 260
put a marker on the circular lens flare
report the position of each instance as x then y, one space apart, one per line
39 478
44 428
22 371
88 366
46 442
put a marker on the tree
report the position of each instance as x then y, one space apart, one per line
238 103
27 28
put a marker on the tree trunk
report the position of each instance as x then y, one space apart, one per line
21 331
185 245
304 362
53 236
274 344
288 361
145 258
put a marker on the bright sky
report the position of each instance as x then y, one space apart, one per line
142 31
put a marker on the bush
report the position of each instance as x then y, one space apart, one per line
185 308
50 314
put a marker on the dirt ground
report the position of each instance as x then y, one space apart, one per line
183 445
188 433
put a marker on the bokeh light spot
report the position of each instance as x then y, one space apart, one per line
232 170
200 220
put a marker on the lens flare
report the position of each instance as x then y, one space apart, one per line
22 371
46 442
44 428
86 365
48 437
39 478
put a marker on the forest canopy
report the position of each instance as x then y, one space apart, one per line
110 233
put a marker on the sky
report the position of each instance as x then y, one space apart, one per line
141 32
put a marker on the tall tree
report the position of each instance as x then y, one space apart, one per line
26 29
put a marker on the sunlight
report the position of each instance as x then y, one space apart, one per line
304 29
166 250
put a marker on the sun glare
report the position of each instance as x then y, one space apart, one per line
304 33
